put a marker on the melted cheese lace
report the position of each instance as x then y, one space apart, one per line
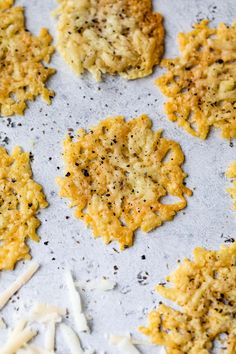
116 177
201 83
105 36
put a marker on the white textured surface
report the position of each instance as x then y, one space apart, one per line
207 220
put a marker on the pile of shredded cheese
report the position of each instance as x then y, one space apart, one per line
231 173
19 338
118 173
20 200
110 36
206 290
22 72
201 83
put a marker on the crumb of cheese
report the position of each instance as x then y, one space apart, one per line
201 83
231 173
205 288
22 72
110 36
118 173
20 200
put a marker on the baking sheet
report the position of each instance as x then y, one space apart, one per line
207 221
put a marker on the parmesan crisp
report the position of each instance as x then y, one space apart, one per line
206 290
201 83
110 36
22 72
117 175
231 173
20 200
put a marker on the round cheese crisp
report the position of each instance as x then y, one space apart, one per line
117 175
22 72
201 83
110 36
20 200
205 288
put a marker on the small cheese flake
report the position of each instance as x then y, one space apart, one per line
105 284
22 71
75 301
110 36
21 199
231 173
117 175
124 344
201 83
205 288
18 283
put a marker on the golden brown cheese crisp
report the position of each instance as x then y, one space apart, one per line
22 72
110 36
206 290
231 173
201 83
118 173
20 200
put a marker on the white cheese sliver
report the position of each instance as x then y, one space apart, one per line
71 339
17 340
106 284
18 283
50 336
124 344
115 339
75 300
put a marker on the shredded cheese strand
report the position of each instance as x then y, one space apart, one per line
71 339
50 336
17 284
79 317
15 342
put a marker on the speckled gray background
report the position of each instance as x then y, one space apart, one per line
207 221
